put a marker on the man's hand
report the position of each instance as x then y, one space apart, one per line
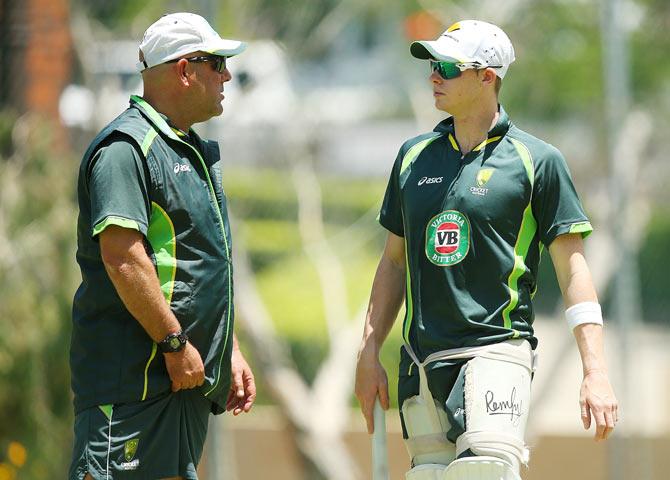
185 368
371 382
597 399
243 387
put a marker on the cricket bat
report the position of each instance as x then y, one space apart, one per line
380 470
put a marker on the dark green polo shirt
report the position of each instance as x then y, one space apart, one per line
139 174
474 227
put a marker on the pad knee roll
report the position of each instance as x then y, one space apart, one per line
428 471
469 468
479 468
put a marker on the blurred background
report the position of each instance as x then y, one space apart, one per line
319 105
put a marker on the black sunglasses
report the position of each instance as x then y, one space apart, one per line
218 62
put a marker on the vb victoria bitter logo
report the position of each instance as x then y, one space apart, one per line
447 238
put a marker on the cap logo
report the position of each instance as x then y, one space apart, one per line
455 26
447 238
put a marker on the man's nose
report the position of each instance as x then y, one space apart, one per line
435 77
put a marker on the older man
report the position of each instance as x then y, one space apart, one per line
468 208
153 351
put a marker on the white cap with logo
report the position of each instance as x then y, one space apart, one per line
178 34
469 42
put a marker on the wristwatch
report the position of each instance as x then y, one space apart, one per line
174 342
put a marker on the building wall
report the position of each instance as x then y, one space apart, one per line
35 55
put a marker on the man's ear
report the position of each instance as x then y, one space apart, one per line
182 72
489 76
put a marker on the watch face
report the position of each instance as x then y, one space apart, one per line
175 343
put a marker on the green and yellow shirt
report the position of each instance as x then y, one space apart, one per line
474 226
140 174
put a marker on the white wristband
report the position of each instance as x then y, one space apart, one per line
585 312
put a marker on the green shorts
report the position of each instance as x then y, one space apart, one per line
158 438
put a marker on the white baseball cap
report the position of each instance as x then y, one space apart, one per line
469 42
178 34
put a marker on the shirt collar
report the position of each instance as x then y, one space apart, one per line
502 125
159 120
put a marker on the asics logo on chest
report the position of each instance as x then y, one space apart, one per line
429 180
178 168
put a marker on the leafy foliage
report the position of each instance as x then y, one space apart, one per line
38 276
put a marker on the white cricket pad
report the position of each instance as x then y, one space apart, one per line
497 399
427 432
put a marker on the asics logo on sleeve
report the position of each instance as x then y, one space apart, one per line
429 180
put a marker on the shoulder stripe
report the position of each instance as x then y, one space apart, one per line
414 152
148 140
407 160
154 116
524 238
526 158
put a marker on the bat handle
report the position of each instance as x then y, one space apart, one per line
379 453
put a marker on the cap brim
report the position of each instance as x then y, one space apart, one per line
226 48
426 50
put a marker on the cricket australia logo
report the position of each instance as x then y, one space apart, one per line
483 176
129 451
447 238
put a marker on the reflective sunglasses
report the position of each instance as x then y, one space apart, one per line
218 62
449 70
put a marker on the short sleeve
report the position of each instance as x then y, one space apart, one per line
390 215
556 205
118 188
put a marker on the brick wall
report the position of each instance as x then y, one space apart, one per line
36 58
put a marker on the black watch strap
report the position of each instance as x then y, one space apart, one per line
174 342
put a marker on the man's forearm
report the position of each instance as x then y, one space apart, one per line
589 336
134 277
574 278
385 299
589 339
387 294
